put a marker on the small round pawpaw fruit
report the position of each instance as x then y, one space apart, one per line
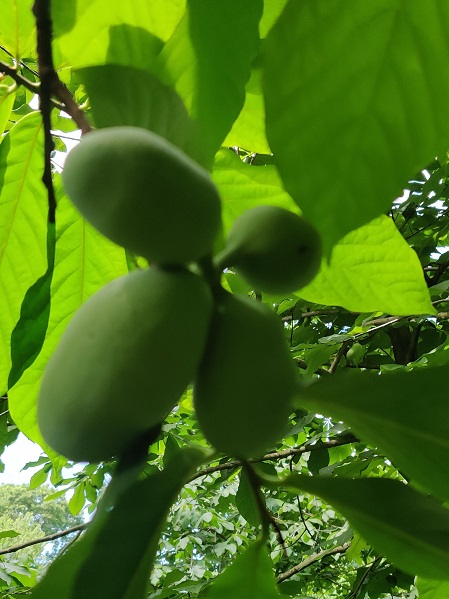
274 250
144 193
246 381
123 362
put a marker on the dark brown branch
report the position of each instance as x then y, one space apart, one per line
46 539
41 11
278 455
310 560
18 78
50 82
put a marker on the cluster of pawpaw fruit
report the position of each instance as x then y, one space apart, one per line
133 347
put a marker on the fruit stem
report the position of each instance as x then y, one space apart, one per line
212 275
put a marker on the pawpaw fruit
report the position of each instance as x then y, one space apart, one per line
123 362
246 381
274 250
144 193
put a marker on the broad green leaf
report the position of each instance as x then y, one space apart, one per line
97 566
246 502
209 69
410 529
84 262
243 186
251 576
76 502
89 32
23 216
372 269
17 28
432 589
29 333
351 111
248 130
39 477
8 534
404 414
141 100
6 104
271 12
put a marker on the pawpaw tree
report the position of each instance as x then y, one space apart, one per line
224 279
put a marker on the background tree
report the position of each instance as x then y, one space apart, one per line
333 109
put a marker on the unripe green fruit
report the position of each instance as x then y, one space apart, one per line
144 193
246 381
123 362
274 250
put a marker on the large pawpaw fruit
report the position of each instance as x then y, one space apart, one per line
123 362
274 250
144 193
246 381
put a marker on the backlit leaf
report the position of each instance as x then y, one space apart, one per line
351 112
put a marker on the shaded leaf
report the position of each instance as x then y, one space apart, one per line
249 577
393 412
209 70
350 110
246 502
97 566
410 529
140 100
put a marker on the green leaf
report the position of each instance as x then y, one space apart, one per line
351 114
432 589
23 216
372 269
209 70
28 335
98 565
141 100
6 104
319 458
243 186
88 32
17 28
76 502
410 529
248 130
39 477
249 577
9 534
84 262
395 413
246 502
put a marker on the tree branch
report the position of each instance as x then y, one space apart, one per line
310 560
46 539
278 455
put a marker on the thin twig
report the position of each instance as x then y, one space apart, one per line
310 560
46 539
278 455
18 78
